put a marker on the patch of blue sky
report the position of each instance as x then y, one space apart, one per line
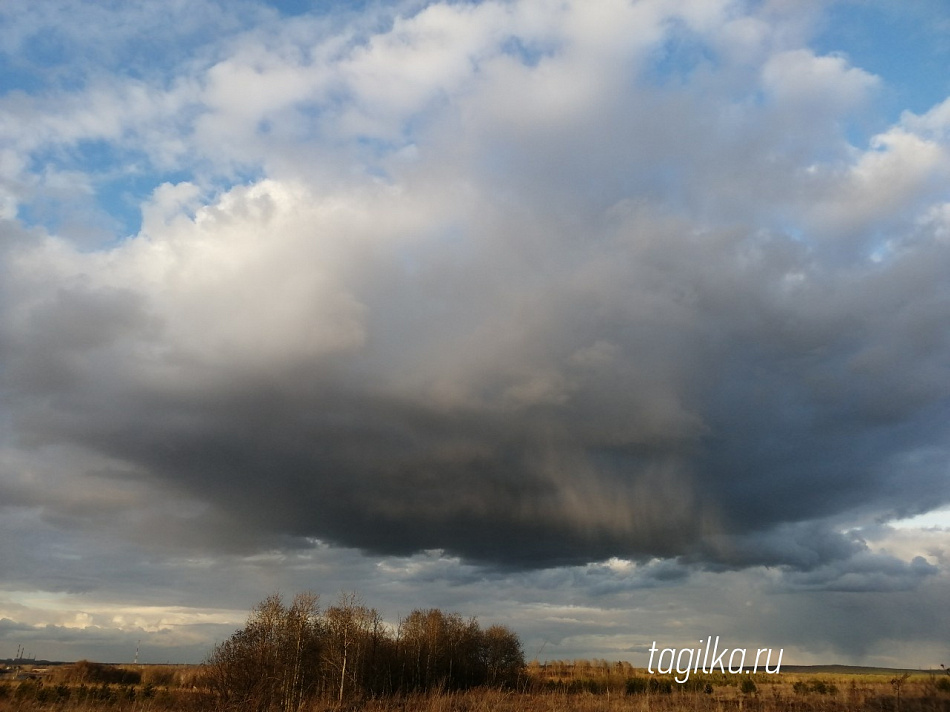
100 155
309 118
907 44
373 151
674 62
77 219
36 213
528 53
860 130
122 198
121 179
15 76
66 47
41 64
369 16
115 205
220 183
91 157
292 8
50 47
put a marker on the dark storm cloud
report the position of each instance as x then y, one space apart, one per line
597 321
866 573
681 399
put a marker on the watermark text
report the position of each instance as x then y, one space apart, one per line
708 657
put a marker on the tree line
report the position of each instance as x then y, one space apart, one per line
288 654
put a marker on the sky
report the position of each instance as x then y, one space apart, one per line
613 322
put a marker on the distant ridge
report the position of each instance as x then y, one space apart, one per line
856 670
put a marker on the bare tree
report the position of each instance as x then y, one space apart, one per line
269 664
353 633
287 655
503 656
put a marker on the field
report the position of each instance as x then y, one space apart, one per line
554 687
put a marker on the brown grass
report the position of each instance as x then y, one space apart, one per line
569 688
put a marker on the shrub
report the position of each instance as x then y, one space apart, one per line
86 672
636 685
818 686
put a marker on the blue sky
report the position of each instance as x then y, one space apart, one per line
905 45
613 322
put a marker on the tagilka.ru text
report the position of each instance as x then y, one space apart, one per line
710 658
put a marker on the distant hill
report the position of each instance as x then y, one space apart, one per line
854 670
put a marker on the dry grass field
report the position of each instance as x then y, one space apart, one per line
558 687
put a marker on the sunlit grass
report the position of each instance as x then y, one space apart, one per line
580 686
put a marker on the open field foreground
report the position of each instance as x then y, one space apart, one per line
561 687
